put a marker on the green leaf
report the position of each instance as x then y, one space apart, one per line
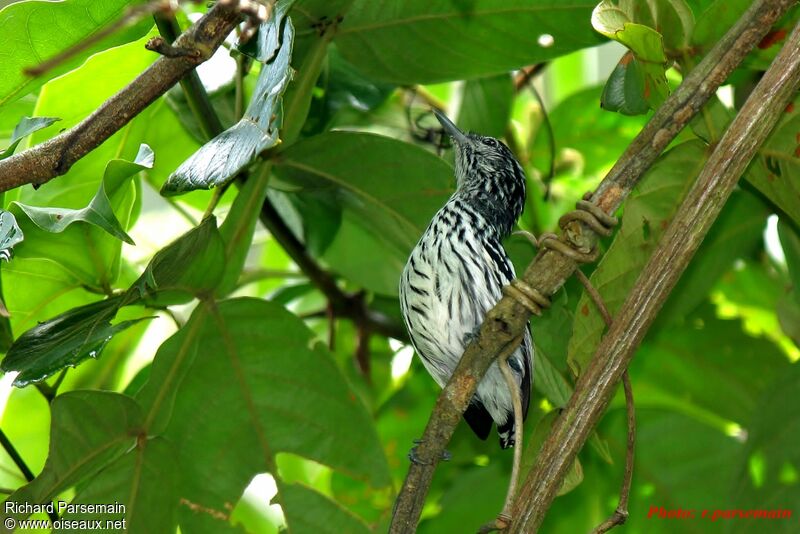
470 502
25 127
706 368
238 228
360 256
223 100
219 160
345 87
99 212
714 21
40 288
577 126
65 340
486 105
776 170
308 512
790 243
89 251
144 480
314 220
266 380
768 469
624 91
345 166
645 42
108 424
194 264
640 75
647 214
37 31
737 233
448 40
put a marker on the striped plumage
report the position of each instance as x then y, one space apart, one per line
457 271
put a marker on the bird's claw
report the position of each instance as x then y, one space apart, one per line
412 454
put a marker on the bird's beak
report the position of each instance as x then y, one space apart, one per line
457 135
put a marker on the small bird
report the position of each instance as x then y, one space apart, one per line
457 271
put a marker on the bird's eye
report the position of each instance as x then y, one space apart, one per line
491 142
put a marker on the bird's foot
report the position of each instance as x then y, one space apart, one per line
412 455
469 337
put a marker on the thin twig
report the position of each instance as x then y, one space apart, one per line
620 514
694 218
526 74
551 268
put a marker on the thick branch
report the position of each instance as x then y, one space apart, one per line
695 216
53 158
549 271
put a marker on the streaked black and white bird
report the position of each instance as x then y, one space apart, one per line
457 271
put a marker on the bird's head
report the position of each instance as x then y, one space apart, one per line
488 172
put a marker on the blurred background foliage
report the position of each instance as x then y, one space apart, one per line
219 391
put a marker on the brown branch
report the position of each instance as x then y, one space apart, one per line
620 514
551 268
691 223
53 158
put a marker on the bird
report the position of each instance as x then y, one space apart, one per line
456 273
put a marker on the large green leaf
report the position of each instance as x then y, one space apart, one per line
308 512
708 368
486 105
37 31
391 188
424 41
768 470
219 160
344 87
108 424
256 371
737 233
647 214
144 480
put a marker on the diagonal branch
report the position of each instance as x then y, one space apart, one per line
551 268
691 223
53 158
